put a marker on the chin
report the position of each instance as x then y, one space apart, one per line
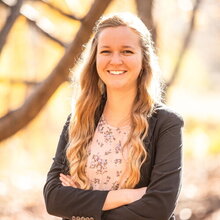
116 87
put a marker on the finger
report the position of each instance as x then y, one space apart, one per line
63 184
64 181
66 178
68 181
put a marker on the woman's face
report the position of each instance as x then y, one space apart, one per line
119 58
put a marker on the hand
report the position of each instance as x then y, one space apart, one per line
66 180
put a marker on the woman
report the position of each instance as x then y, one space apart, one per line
119 154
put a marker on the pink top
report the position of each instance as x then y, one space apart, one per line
106 160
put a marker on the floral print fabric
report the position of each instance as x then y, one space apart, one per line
106 158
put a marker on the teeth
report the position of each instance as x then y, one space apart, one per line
115 72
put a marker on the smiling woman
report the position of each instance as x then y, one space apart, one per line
119 154
119 59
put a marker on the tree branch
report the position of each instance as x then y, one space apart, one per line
185 45
19 118
145 11
15 11
4 4
60 11
19 81
48 35
35 25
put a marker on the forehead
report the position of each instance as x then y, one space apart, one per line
121 35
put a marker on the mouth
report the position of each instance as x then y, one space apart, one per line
116 72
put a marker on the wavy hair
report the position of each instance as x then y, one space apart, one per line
82 123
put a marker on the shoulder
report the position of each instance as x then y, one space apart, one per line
68 118
65 131
67 122
165 114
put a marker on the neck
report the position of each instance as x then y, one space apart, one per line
118 107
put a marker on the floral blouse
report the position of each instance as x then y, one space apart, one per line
106 157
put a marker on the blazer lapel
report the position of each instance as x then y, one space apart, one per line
152 122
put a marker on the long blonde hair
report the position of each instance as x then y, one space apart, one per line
82 123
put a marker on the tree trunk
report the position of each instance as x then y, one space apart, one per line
145 12
19 118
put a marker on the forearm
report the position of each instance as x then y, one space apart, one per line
66 202
163 189
117 198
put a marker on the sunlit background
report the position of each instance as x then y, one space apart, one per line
29 56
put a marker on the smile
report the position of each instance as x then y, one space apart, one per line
116 72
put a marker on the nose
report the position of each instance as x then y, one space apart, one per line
116 59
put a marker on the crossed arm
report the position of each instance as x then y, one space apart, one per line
156 203
65 200
115 198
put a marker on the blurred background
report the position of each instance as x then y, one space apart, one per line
40 41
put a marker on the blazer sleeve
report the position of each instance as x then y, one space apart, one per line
64 201
159 201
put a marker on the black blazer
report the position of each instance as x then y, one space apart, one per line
161 173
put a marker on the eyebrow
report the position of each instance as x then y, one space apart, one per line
124 46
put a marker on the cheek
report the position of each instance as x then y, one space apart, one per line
100 63
135 63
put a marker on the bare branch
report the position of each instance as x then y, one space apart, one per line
145 12
185 45
19 81
51 37
60 11
15 11
19 118
35 25
3 3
